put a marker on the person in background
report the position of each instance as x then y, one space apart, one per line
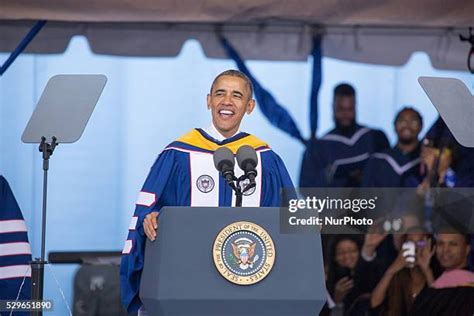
348 278
439 150
406 277
462 167
436 166
451 293
452 251
380 249
338 158
398 166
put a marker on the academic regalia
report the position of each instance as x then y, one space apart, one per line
333 159
463 166
444 302
393 168
15 250
184 175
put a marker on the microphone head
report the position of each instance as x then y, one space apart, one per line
247 158
224 159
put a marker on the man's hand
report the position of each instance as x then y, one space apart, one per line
150 224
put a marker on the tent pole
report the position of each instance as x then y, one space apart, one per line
23 44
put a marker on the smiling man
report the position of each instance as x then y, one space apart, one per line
398 166
184 175
229 99
338 158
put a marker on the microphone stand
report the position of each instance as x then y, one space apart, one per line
238 189
238 198
230 178
240 192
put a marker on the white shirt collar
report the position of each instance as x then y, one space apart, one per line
214 133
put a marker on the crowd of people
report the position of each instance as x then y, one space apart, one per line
424 269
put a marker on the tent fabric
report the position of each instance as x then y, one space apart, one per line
360 31
358 12
316 81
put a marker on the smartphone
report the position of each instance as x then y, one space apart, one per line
341 272
409 253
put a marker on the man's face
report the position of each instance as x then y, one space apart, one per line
408 126
452 251
228 101
344 110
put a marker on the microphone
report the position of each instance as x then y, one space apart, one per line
224 162
248 161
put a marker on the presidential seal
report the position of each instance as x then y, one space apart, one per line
243 253
205 183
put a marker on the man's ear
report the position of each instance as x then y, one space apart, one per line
250 106
208 99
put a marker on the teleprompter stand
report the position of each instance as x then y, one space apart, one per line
61 116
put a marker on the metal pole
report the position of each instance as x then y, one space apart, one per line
43 233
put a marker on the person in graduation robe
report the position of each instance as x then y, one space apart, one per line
15 250
462 166
184 175
339 157
452 292
398 166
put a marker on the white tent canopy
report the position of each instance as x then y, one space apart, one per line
363 31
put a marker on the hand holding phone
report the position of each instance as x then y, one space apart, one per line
409 253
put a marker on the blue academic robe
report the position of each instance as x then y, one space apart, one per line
335 159
464 162
184 175
15 250
393 168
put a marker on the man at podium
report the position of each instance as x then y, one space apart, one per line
184 175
